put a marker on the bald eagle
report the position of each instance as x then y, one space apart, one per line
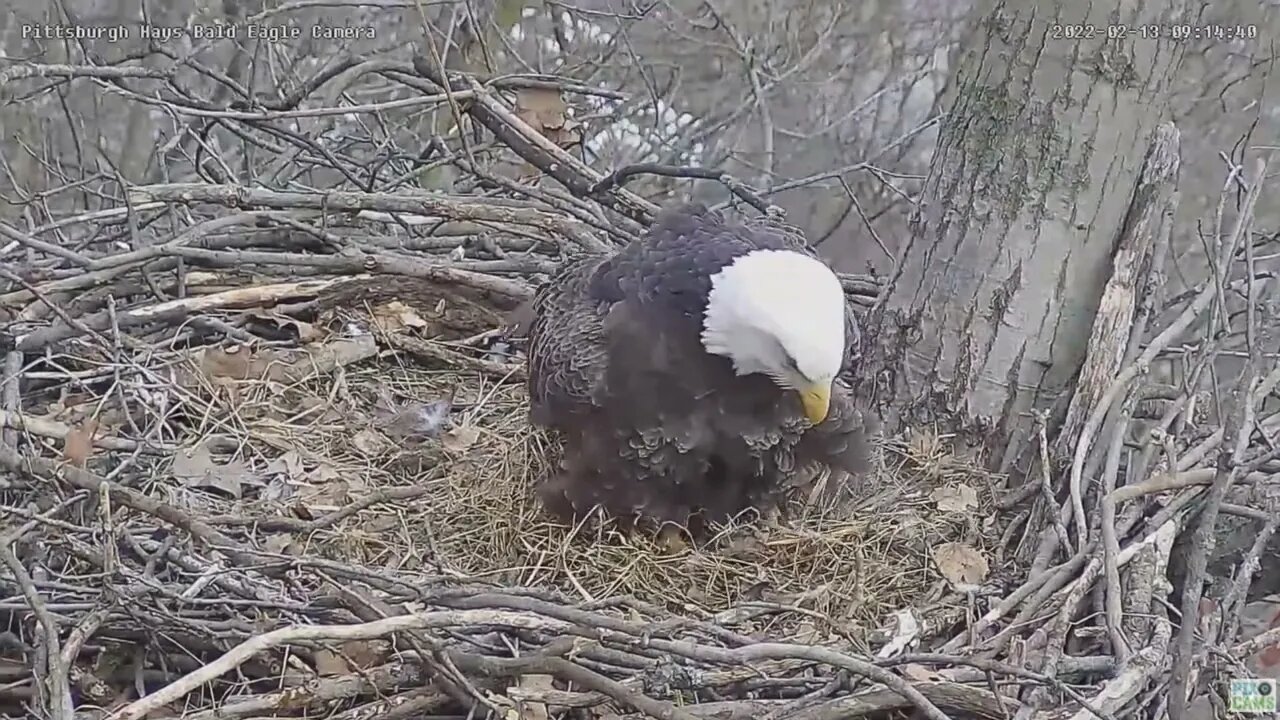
693 373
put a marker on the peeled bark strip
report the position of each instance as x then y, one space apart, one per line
1153 202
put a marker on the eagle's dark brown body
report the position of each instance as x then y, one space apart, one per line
653 425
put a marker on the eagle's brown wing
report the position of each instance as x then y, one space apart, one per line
566 348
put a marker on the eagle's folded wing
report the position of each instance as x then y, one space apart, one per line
566 357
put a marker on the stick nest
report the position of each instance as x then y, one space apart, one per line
266 454
373 442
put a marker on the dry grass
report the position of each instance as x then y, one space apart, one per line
317 445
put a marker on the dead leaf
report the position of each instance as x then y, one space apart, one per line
323 410
962 566
459 439
958 499
806 633
195 467
288 465
906 632
326 497
545 111
395 316
77 446
330 663
325 473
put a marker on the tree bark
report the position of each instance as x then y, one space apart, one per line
989 311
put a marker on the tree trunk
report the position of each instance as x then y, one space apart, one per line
990 308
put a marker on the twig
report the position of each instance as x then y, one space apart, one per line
1046 487
53 676
1112 589
248 649
1240 415
10 388
240 196
58 431
1234 602
619 177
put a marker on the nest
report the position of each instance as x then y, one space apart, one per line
386 443
270 458
478 518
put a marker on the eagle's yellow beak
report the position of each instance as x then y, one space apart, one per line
817 401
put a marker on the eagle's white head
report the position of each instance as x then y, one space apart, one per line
780 313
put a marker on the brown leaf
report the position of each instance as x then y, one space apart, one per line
962 566
805 633
395 316
77 446
325 358
241 363
459 439
326 473
320 497
545 111
958 499
195 467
